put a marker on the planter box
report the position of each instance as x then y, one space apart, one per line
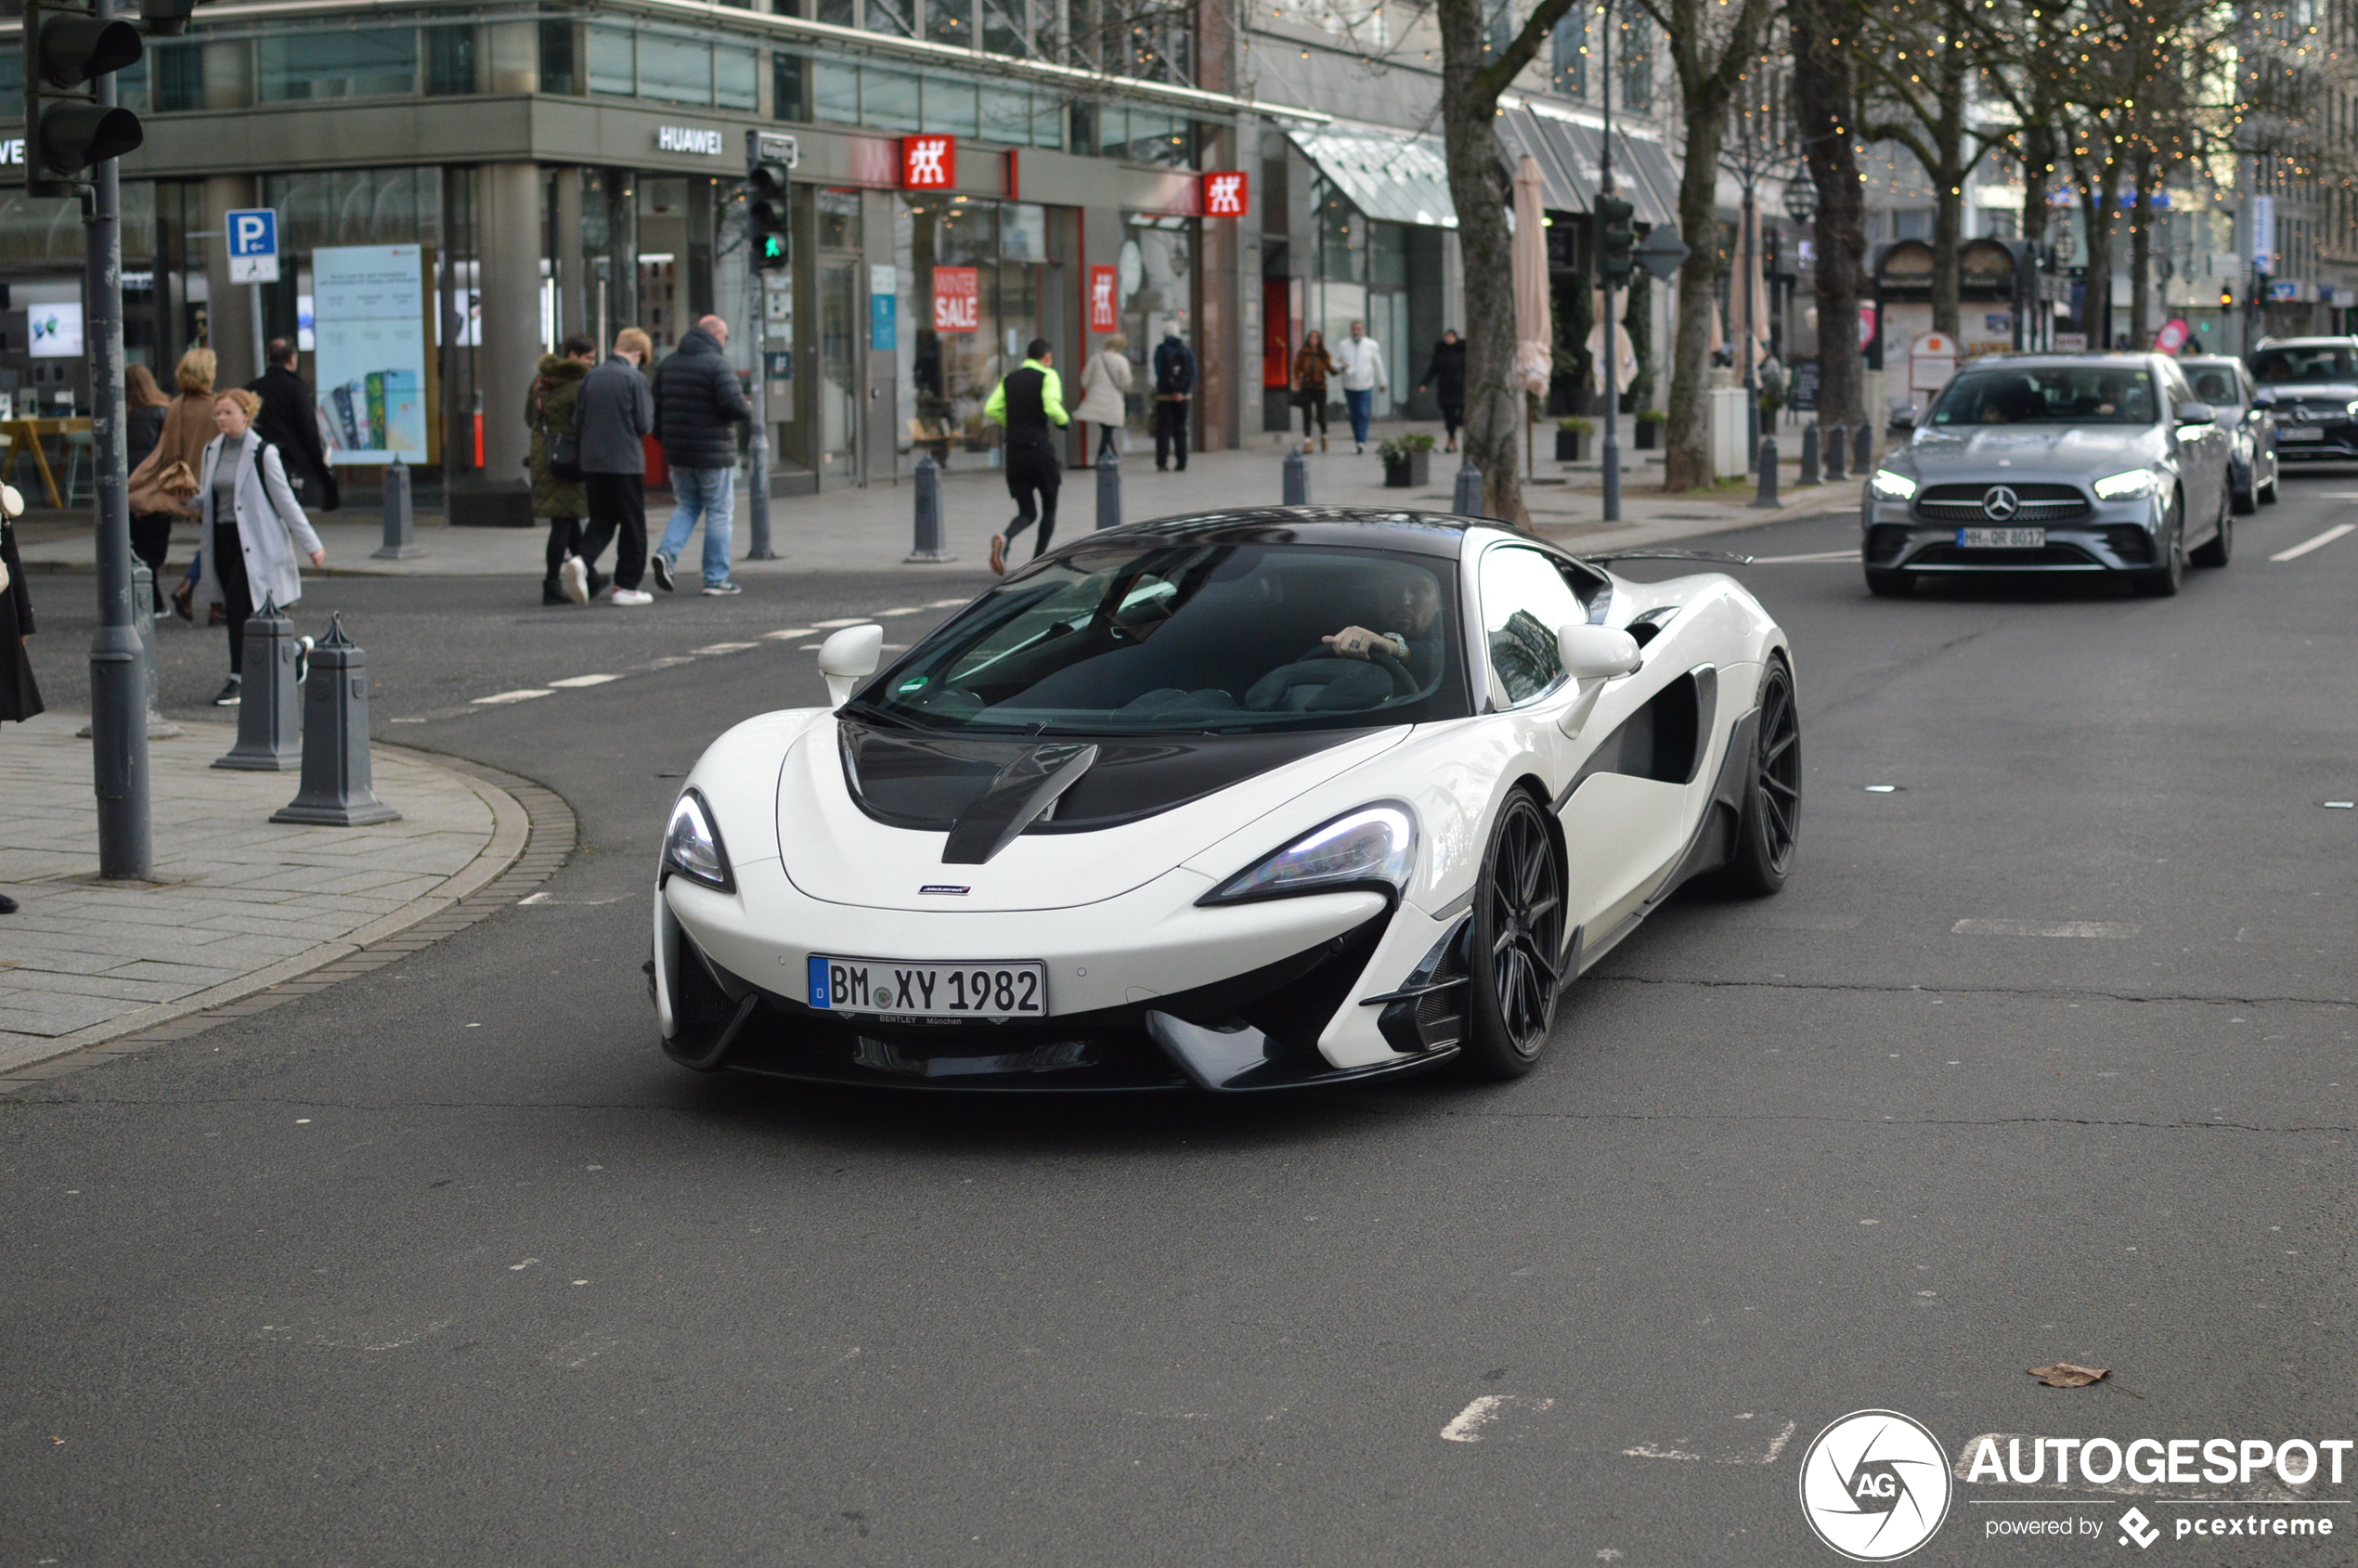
1648 433
1570 446
1410 473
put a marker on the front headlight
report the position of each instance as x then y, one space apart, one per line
2352 411
1894 486
1375 843
2126 487
692 846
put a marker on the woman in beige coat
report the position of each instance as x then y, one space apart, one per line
1104 385
187 427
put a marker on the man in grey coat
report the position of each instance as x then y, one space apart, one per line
614 414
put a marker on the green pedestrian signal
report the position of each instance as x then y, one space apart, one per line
768 210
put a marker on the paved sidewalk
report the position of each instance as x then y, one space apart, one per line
848 528
240 904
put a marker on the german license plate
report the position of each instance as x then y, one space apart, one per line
928 991
2298 435
2002 539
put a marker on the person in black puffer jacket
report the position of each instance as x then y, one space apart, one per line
696 400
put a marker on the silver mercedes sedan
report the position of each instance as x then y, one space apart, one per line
2054 463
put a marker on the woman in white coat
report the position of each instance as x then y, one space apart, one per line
254 528
1104 384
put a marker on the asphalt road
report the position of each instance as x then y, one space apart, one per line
446 1264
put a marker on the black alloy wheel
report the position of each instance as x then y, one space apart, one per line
2163 581
1885 583
2216 550
1517 952
1771 827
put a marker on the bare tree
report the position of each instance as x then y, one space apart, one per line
1825 97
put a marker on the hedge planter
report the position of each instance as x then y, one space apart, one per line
1407 472
1571 446
1647 435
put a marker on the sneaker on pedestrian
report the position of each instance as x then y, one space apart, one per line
575 575
720 589
8 904
632 596
1360 447
660 565
553 592
231 695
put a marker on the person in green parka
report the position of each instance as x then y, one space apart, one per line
547 409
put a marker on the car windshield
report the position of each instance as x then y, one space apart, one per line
2304 365
1147 637
2049 395
2215 384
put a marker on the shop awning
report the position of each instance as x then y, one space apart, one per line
1568 152
1396 176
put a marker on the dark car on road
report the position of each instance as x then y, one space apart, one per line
2313 383
2054 463
2247 418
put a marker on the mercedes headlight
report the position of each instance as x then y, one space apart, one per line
1373 844
2126 487
692 846
1894 486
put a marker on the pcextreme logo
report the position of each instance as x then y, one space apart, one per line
1875 1486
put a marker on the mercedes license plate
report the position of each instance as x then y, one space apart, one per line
928 991
2297 434
2002 539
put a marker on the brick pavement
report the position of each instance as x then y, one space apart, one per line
242 908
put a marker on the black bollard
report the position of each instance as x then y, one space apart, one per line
1467 502
1837 450
268 707
928 543
1297 479
336 785
1862 452
401 523
1809 454
1768 494
1108 489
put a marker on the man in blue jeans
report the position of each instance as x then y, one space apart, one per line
698 400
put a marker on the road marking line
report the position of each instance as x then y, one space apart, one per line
525 695
946 604
2305 546
1467 1424
571 682
1823 557
667 663
788 635
904 610
838 625
723 648
2042 928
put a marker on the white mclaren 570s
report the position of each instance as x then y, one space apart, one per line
1246 800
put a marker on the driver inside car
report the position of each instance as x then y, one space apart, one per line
1412 613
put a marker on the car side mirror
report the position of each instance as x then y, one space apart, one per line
1597 653
847 658
2197 413
1903 419
2263 399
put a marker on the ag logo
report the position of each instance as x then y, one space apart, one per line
1999 502
1874 1486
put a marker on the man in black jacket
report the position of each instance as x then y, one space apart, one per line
1174 384
1029 400
1446 376
698 400
290 421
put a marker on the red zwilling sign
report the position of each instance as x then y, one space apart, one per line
1101 312
1225 193
928 163
957 299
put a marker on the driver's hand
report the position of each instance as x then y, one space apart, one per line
1357 642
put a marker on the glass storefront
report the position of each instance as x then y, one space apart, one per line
970 273
1157 282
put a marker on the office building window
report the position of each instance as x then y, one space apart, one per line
789 76
840 13
734 76
675 70
338 63
834 91
613 65
1571 75
450 61
951 21
559 71
949 106
888 101
890 16
1638 64
1005 28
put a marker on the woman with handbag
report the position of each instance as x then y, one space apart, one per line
1311 369
557 491
1104 385
142 416
253 529
164 481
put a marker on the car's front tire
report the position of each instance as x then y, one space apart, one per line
1514 964
2216 550
2163 581
2267 492
1885 583
1772 825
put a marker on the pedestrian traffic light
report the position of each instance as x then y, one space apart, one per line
1617 242
67 129
767 211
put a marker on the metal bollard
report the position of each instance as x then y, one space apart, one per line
1837 450
143 594
1768 495
1863 453
928 543
268 709
1297 479
1108 489
336 790
401 523
1467 502
1809 455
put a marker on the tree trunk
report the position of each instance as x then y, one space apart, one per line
2141 293
2098 199
1948 241
2038 152
1949 174
1685 456
1825 92
1494 406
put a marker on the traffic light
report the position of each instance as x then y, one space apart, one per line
67 130
769 214
1616 240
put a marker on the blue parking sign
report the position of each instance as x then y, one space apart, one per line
253 244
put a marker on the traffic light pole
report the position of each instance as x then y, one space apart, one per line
758 452
118 658
1610 452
